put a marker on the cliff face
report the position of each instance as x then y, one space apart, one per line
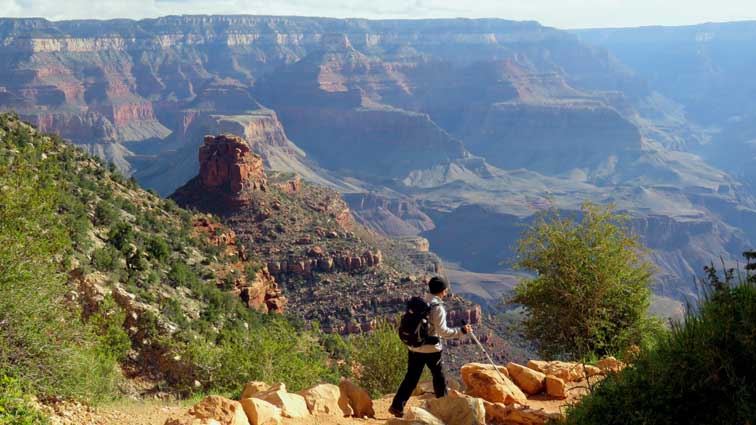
337 84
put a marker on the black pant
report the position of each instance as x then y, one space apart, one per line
415 364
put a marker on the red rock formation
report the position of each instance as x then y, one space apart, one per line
227 162
319 261
229 171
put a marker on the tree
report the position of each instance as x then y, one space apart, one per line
591 290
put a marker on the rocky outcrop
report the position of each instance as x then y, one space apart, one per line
229 170
260 291
319 261
226 162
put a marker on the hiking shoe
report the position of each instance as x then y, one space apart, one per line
396 412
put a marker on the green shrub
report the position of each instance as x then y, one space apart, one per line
702 372
158 249
591 291
105 214
381 357
43 340
270 351
15 406
121 236
106 259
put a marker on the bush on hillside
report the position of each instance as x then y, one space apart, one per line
16 407
269 349
591 290
702 372
381 357
43 341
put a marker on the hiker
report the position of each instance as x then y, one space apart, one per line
429 353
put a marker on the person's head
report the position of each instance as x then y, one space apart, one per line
438 286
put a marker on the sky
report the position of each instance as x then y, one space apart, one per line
557 13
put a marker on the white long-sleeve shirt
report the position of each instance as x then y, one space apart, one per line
438 327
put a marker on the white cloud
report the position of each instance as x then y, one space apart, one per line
558 13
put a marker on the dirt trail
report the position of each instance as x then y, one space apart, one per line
156 412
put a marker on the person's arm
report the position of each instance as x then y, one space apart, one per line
438 318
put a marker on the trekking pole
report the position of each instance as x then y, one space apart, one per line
475 338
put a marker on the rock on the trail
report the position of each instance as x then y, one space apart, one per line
610 364
458 409
398 421
527 379
555 387
482 381
291 405
260 412
212 410
323 398
356 398
252 388
515 414
569 372
420 415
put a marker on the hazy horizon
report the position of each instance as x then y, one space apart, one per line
568 14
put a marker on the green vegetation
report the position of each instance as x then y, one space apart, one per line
590 294
73 230
44 343
15 406
382 358
702 372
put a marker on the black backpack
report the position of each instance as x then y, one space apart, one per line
413 328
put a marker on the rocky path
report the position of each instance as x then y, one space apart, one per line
518 395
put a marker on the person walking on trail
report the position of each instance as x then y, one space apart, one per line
429 354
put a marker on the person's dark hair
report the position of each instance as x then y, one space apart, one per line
437 284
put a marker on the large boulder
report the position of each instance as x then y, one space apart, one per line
569 372
212 410
323 398
515 414
252 388
356 398
418 414
610 364
555 387
291 405
260 412
527 379
457 409
481 380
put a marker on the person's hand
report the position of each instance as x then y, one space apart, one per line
466 329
